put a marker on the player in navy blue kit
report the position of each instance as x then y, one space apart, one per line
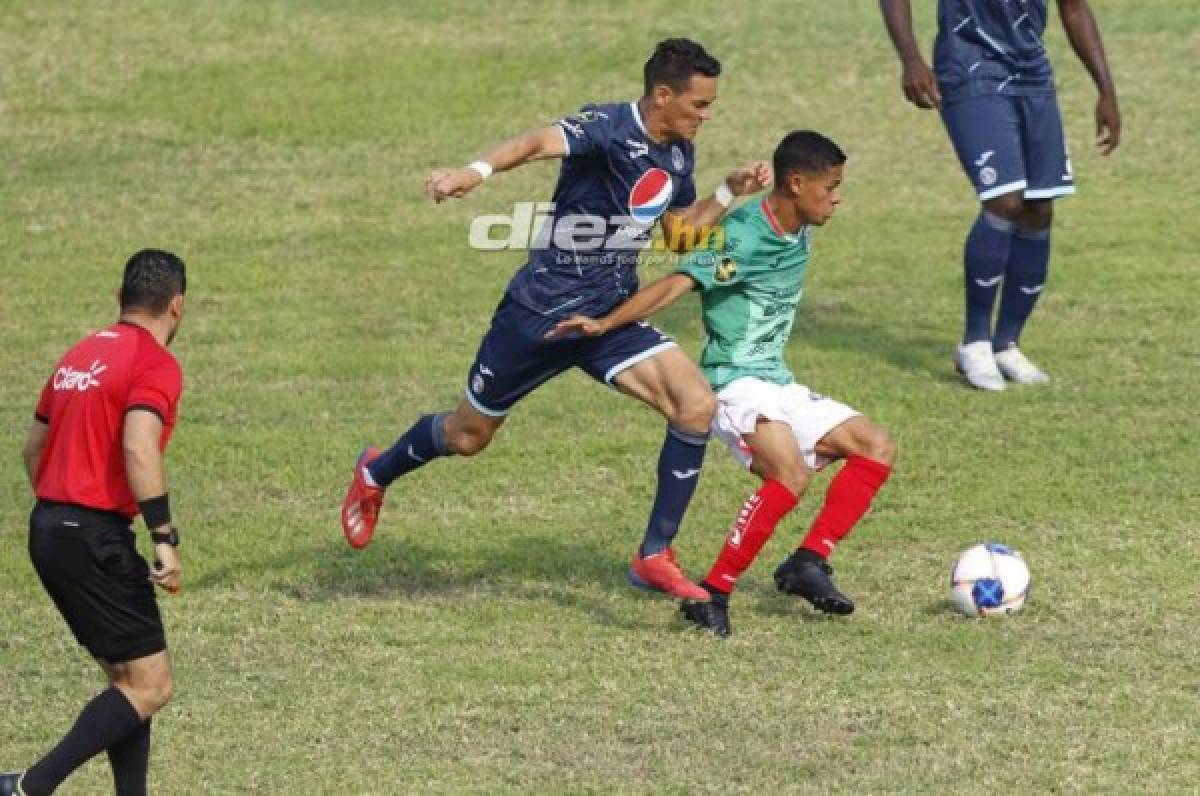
995 88
626 166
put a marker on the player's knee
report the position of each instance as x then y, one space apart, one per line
795 477
151 694
695 414
880 446
466 434
163 692
468 441
1037 215
1009 206
872 441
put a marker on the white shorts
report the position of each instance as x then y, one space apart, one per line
811 415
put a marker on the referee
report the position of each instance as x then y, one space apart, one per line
95 459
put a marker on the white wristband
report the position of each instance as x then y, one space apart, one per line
723 195
482 167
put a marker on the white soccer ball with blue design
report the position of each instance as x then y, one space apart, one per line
989 580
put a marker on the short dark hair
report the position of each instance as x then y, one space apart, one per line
675 61
152 278
806 152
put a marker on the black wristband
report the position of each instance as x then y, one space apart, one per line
156 511
171 537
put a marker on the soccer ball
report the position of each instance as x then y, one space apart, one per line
989 580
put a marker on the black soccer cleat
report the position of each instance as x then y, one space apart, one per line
712 616
807 575
10 784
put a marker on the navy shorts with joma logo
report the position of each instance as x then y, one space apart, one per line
1011 143
515 358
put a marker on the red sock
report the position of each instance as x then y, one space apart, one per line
755 523
849 496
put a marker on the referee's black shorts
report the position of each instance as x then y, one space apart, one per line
90 567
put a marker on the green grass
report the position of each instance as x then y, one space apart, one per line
486 642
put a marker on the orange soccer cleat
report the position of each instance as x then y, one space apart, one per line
660 572
360 509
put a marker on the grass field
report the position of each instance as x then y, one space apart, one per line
486 642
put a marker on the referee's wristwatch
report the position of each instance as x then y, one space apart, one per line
171 537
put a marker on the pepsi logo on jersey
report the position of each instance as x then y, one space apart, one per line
650 196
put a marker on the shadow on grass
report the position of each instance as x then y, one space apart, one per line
580 574
942 607
401 565
797 608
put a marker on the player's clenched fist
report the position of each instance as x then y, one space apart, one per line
751 178
442 184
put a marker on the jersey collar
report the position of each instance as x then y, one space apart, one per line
637 117
142 330
776 227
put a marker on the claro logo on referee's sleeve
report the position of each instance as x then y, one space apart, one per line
67 378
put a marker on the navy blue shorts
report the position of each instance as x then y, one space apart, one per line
514 358
1011 143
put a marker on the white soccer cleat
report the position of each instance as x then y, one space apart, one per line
1016 367
977 364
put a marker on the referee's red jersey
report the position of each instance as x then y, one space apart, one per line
84 403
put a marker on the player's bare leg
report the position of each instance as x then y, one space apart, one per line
858 436
148 683
468 431
464 432
777 456
672 384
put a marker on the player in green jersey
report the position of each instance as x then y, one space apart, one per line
751 282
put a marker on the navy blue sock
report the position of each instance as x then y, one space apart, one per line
419 445
984 257
679 466
1028 263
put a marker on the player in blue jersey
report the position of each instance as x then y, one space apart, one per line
626 166
995 88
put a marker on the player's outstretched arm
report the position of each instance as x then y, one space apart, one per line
147 480
643 304
684 229
545 142
919 84
1084 35
31 453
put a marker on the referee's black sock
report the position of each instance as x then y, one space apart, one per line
130 759
104 721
